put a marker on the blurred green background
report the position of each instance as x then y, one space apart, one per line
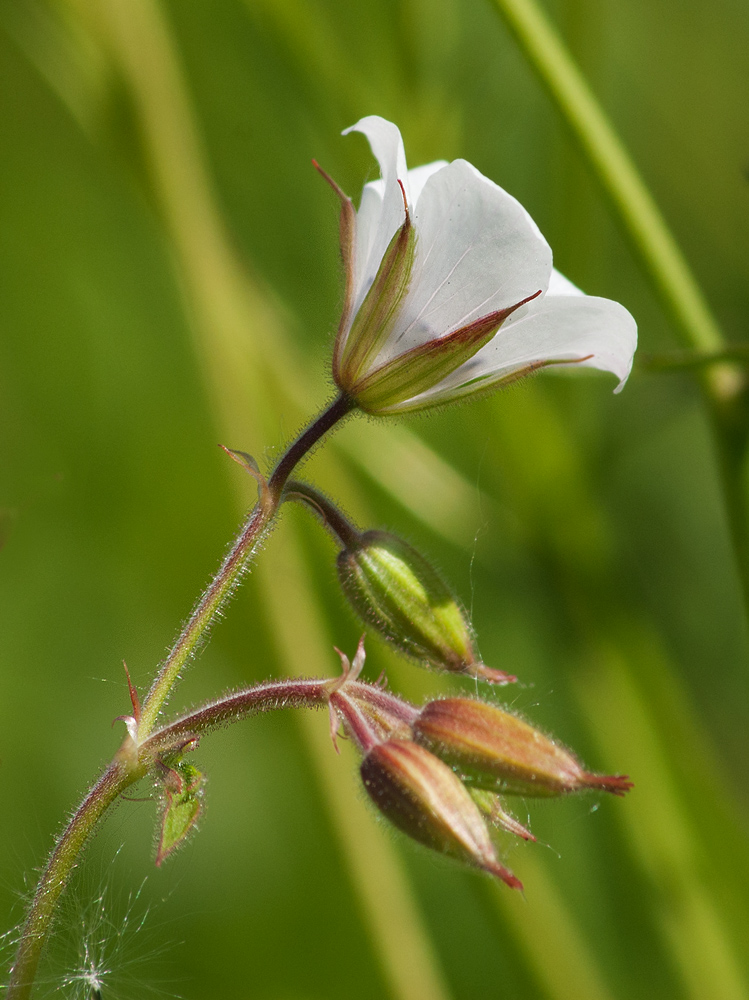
169 280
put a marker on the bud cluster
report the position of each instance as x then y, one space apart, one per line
439 773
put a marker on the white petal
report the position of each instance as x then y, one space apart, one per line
381 212
563 327
559 285
418 177
368 220
477 250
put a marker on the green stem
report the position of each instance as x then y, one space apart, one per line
131 763
120 774
724 383
235 563
616 170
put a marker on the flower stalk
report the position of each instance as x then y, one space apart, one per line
236 562
134 759
331 515
120 774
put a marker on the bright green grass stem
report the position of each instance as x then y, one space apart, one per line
724 384
617 172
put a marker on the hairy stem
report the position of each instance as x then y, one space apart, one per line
296 693
339 408
120 774
132 762
271 695
235 563
332 517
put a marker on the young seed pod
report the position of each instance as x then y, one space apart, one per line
424 798
495 750
396 591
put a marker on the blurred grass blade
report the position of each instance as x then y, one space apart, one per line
676 855
687 907
616 171
224 308
554 944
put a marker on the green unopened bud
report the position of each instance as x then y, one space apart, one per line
397 592
495 750
424 798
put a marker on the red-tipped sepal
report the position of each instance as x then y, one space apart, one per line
492 808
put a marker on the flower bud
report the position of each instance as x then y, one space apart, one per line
495 750
425 799
398 593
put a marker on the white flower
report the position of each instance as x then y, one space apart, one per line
450 289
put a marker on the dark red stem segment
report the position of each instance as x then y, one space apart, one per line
332 517
305 693
356 722
339 408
